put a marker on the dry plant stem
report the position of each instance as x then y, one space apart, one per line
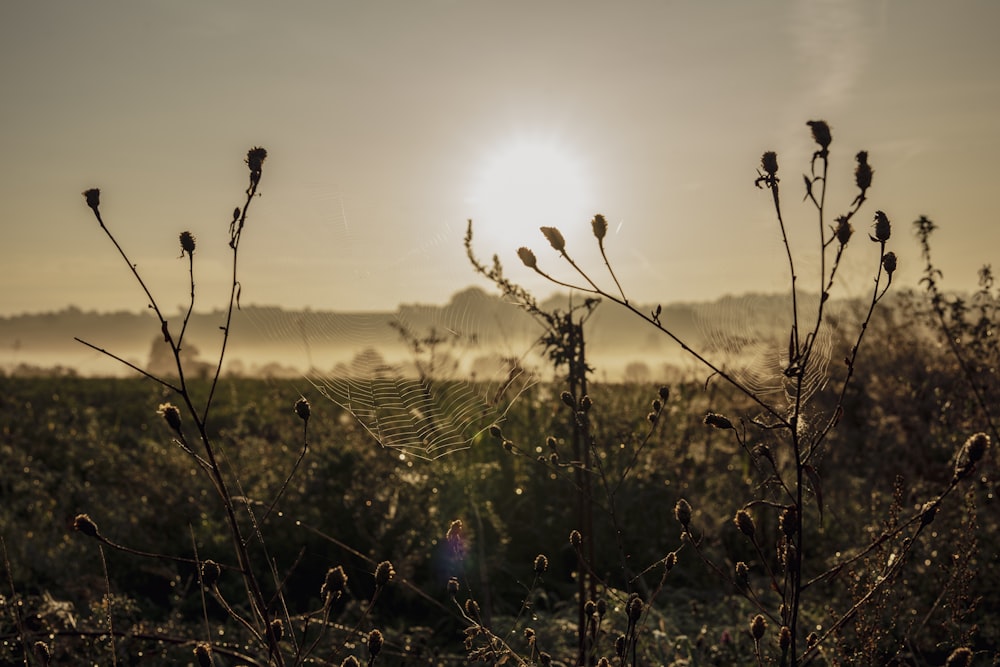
288 479
108 601
773 185
18 620
684 346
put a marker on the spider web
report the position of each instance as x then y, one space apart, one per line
750 334
424 380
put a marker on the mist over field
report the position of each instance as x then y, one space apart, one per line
476 330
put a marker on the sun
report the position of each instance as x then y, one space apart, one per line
524 185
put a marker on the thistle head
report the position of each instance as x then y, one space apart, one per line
682 512
187 243
863 172
843 230
171 415
820 133
758 624
303 409
883 229
744 521
82 523
93 197
541 564
889 262
384 573
769 163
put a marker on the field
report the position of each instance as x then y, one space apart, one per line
73 446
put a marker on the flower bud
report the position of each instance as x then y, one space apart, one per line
303 409
682 512
84 524
882 228
820 132
187 243
769 163
384 572
527 257
717 421
889 262
555 238
93 196
600 226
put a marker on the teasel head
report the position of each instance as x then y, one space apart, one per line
527 257
889 263
758 624
717 421
82 523
634 608
93 197
784 639
970 454
742 574
187 243
769 163
210 573
384 573
744 521
203 654
255 161
843 230
43 653
786 522
541 564
863 172
575 539
600 227
171 415
375 641
883 228
682 512
555 238
303 409
960 657
821 133
334 584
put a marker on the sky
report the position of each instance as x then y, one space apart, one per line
389 124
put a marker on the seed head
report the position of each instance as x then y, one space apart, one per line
863 172
602 607
568 399
375 641
757 627
575 539
277 629
43 653
255 161
527 257
742 574
600 226
303 409
786 522
682 512
472 609
784 638
555 238
84 524
744 521
171 415
203 654
889 262
544 659
93 196
843 230
453 586
664 393
634 609
812 639
882 228
717 421
350 661
334 584
970 454
495 431
541 563
620 646
384 572
670 561
454 535
586 404
187 243
960 657
820 133
769 163
210 573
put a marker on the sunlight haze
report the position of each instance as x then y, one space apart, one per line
390 124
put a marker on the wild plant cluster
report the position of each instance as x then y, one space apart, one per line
831 519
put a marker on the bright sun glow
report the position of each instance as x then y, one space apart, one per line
526 185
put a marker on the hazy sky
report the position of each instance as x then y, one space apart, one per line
388 124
